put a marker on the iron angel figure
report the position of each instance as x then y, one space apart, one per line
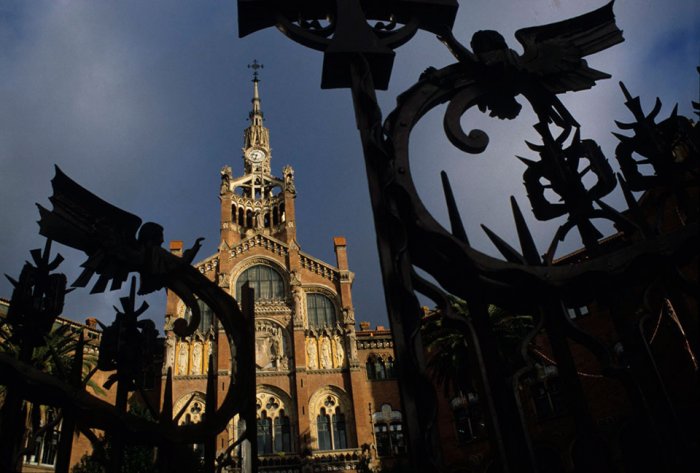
552 62
109 238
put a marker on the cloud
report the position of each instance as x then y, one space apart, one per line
143 102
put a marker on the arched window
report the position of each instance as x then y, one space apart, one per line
275 216
379 368
46 445
323 424
266 282
388 432
371 372
191 409
282 434
274 427
390 373
264 434
320 310
331 425
340 438
206 316
241 218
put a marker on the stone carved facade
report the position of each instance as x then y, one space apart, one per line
272 346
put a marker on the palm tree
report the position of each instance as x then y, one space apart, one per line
54 357
449 353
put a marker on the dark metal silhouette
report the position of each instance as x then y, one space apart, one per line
37 299
109 238
341 30
492 77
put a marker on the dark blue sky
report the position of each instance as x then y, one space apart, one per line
144 102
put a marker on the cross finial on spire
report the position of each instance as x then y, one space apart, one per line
255 66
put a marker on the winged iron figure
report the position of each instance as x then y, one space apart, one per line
552 62
115 241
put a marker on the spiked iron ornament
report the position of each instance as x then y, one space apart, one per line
493 78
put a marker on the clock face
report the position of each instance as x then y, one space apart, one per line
256 155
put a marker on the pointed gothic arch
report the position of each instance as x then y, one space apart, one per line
331 419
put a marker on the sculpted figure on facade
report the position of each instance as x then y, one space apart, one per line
182 359
352 344
223 280
196 358
326 361
226 176
311 354
289 179
298 306
271 346
348 315
339 351
276 346
169 354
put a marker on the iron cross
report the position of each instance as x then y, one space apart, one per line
255 66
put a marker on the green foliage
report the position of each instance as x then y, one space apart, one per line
136 458
55 356
449 353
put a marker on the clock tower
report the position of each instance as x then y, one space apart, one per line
256 140
257 201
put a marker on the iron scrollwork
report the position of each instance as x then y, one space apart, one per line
343 29
492 77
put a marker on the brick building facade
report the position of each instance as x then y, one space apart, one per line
315 400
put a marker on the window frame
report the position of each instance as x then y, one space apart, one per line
329 306
277 288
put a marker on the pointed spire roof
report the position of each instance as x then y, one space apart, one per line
256 135
256 115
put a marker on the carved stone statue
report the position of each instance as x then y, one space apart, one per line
352 343
182 359
289 179
326 361
196 359
298 306
339 351
348 316
169 354
311 354
226 175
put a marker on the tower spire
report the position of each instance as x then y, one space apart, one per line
256 138
256 115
